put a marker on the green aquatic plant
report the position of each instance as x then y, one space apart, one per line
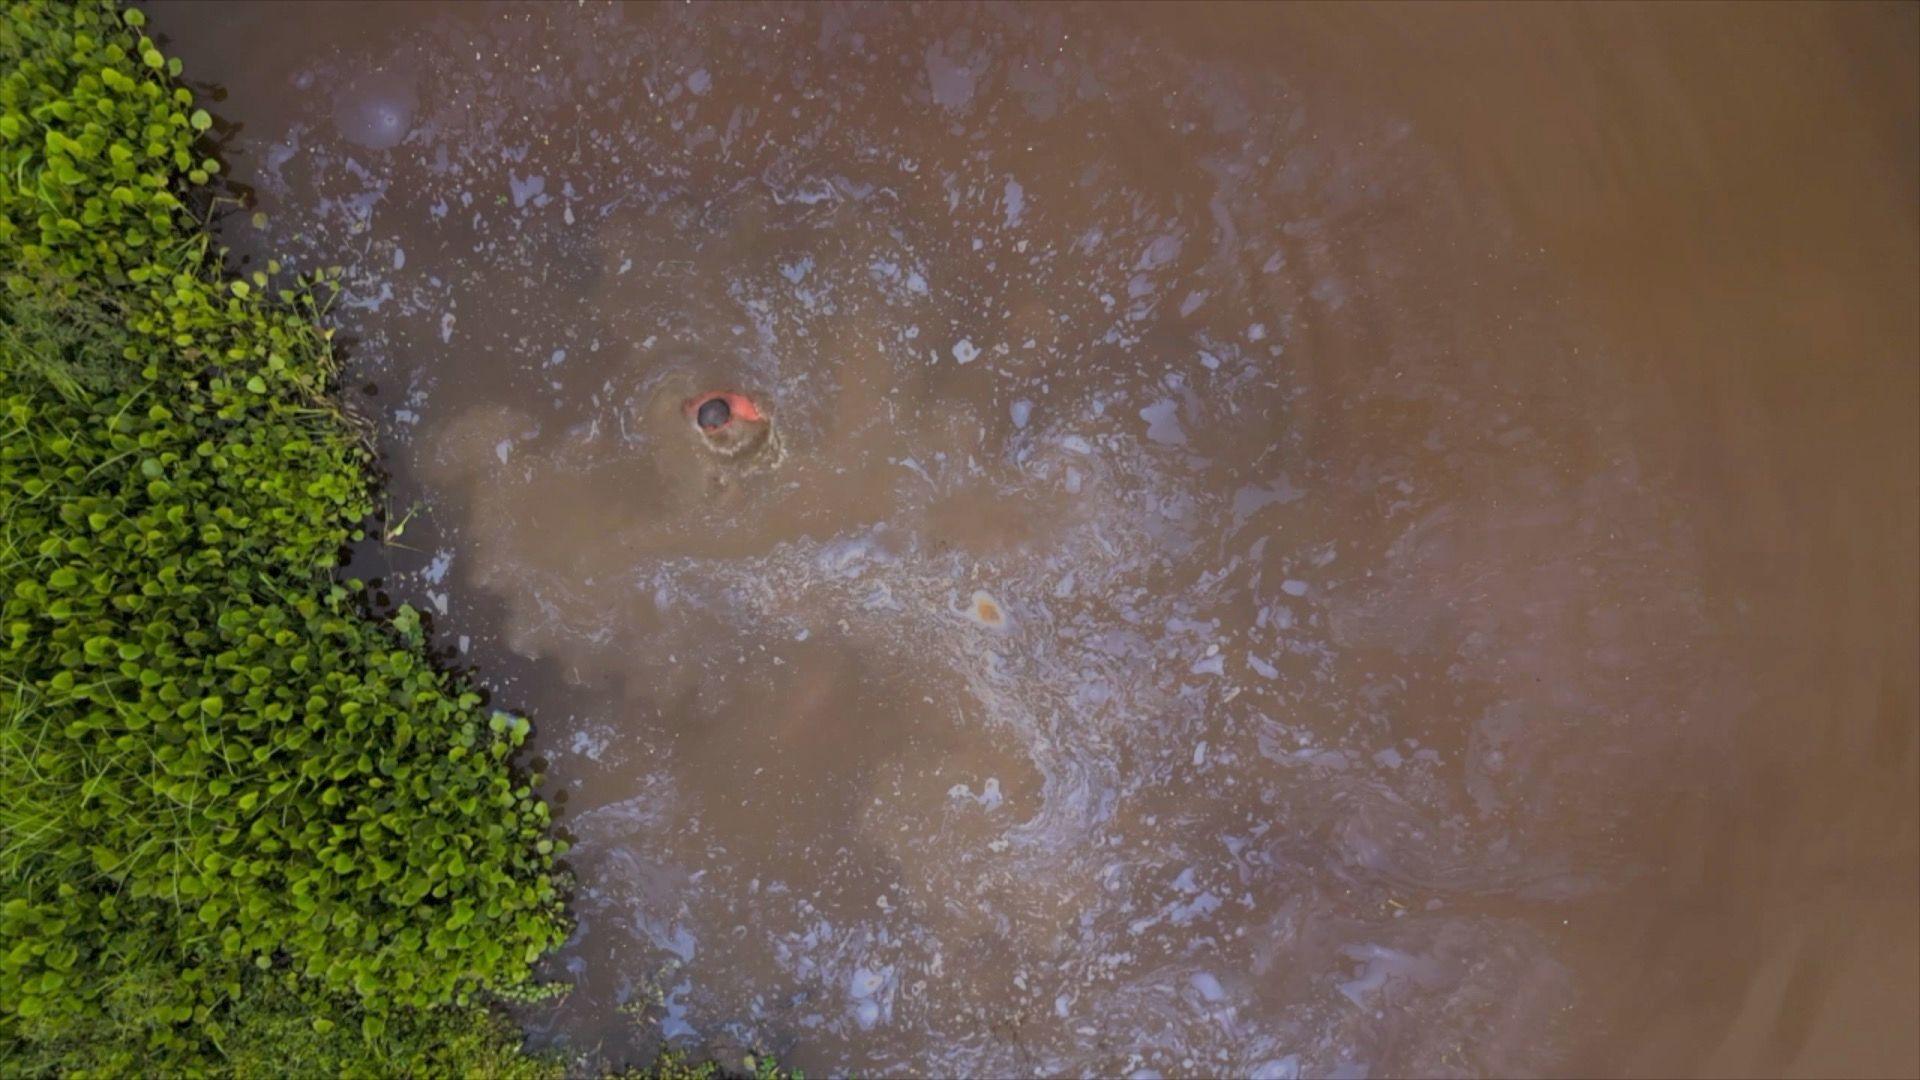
229 801
674 1066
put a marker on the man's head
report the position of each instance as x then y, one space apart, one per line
713 414
730 424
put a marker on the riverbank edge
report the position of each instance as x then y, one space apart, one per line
249 830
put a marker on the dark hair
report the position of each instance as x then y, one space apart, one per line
714 414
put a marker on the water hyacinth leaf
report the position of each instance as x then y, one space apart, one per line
214 813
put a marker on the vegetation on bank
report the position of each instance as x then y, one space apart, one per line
244 829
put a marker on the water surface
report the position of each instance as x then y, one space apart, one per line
1298 541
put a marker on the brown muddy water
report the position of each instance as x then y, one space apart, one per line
1290 541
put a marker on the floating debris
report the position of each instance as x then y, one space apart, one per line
982 608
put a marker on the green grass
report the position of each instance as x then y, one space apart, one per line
243 828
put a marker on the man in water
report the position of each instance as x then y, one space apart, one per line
732 426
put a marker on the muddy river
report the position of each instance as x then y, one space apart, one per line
1247 541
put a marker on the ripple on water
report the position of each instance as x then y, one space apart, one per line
1119 736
